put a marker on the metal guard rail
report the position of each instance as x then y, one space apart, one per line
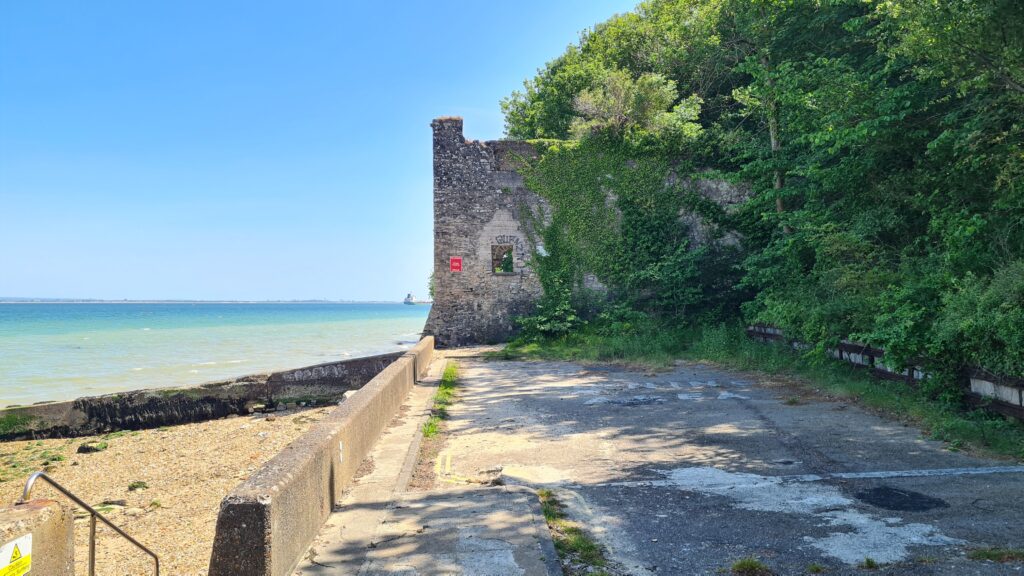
93 515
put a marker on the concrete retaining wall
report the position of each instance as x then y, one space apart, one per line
267 523
1001 394
140 409
424 353
42 530
983 389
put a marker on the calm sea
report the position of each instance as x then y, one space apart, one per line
64 351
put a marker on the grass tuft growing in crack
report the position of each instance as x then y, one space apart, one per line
997 554
750 567
577 551
869 564
443 398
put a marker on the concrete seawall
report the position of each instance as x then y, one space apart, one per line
267 523
141 409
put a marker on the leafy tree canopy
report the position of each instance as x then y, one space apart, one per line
882 141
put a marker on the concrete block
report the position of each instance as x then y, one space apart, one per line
43 531
1008 394
983 387
423 352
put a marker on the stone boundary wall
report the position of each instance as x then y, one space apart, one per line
141 409
984 389
267 523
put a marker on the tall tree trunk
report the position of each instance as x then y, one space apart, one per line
776 143
773 136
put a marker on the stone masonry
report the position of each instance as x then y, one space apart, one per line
479 204
479 200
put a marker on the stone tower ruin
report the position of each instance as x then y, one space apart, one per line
482 277
482 245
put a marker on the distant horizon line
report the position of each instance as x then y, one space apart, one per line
20 300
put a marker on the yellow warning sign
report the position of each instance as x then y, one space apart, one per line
16 557
19 567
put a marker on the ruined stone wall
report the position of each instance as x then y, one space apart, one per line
479 202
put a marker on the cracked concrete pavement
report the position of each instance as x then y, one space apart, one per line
686 471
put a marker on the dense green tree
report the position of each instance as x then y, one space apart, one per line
883 142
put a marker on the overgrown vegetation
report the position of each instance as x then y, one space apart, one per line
997 554
869 564
644 343
882 146
750 567
443 398
574 546
15 421
18 464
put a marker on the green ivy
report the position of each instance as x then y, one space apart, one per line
614 212
881 140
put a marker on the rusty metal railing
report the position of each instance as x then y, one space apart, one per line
93 516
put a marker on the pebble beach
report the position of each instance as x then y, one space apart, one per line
162 486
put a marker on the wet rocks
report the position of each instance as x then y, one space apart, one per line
92 447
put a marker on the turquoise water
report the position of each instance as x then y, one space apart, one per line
64 351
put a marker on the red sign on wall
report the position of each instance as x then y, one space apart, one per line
455 264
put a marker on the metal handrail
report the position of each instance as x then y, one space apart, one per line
93 515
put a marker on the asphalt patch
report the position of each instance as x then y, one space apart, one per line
889 498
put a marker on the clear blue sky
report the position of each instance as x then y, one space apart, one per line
245 150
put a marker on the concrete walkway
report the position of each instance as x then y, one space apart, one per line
678 473
382 530
687 471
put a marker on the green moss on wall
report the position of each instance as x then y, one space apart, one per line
15 421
